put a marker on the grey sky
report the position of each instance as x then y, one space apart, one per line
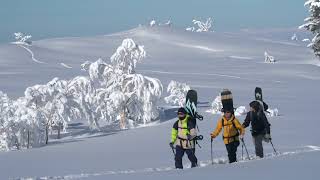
56 18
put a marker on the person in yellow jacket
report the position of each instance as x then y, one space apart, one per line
232 129
182 139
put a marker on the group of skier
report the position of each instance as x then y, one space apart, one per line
184 133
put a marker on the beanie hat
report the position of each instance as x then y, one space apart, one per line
182 110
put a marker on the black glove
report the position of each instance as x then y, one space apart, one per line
189 137
267 138
171 145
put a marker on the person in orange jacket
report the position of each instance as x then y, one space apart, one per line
232 129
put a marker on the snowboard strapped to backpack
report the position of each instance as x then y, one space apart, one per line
227 100
191 105
258 97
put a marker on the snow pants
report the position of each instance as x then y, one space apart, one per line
232 151
179 154
257 141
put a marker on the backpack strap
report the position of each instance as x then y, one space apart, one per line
234 125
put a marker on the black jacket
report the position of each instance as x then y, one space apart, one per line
259 123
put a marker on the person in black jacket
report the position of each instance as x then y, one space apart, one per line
260 127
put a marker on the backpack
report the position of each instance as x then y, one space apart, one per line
234 125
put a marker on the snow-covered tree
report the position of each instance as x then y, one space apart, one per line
294 37
20 126
272 112
168 23
57 102
121 93
216 105
22 39
29 124
152 23
201 26
312 24
268 58
241 110
81 95
126 57
177 93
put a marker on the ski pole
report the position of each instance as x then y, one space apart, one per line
211 152
273 147
242 151
174 154
245 147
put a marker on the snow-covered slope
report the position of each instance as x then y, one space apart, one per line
207 62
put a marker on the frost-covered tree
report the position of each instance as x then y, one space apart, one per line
268 58
121 93
177 93
20 126
81 95
312 24
56 101
201 26
22 39
216 105
168 23
294 37
29 124
152 23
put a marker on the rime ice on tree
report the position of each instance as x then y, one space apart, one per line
22 39
178 92
268 58
312 23
201 26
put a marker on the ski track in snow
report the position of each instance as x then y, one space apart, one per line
217 161
32 55
66 66
210 74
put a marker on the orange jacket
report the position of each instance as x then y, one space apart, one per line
230 130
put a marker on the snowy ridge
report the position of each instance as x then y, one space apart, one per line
202 164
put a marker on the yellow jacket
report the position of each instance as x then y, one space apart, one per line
230 130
